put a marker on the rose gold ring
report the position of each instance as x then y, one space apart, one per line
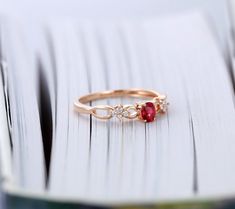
146 111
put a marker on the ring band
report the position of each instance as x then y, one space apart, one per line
145 111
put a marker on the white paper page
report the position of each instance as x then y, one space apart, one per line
174 157
28 164
186 153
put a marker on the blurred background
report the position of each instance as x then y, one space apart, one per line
217 10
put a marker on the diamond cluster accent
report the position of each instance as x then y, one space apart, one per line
163 105
121 111
118 111
145 111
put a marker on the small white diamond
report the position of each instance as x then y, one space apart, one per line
163 105
118 111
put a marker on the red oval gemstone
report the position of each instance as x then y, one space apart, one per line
148 112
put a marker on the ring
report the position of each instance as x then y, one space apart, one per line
146 111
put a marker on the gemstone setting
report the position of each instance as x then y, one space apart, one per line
163 105
148 112
120 111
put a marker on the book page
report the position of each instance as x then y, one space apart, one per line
186 153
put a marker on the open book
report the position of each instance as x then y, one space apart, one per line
57 153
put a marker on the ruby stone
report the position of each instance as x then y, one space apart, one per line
148 112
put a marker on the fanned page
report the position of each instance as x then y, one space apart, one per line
185 153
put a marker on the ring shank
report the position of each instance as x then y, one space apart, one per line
140 93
